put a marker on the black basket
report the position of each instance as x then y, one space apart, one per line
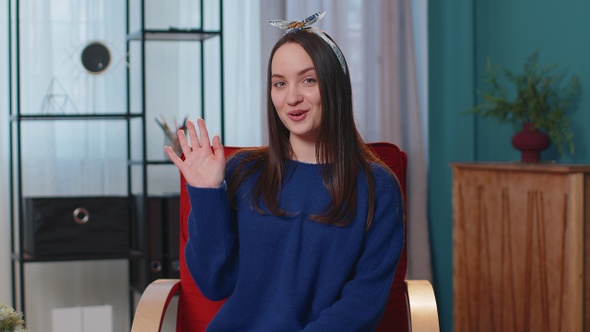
76 226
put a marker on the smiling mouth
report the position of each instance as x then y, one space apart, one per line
297 115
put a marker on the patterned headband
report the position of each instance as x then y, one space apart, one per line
293 26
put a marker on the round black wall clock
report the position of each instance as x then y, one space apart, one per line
96 57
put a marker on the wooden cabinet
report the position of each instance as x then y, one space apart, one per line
520 256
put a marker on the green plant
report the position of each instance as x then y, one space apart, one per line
11 320
539 99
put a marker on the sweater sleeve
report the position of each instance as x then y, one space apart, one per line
364 297
211 250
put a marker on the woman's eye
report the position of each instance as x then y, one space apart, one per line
309 80
279 84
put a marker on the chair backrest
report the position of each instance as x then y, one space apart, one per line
195 311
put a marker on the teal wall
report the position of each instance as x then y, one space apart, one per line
462 34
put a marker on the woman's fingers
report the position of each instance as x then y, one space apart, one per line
196 142
205 143
217 147
192 133
172 155
183 142
202 166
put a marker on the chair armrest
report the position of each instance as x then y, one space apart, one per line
152 305
423 313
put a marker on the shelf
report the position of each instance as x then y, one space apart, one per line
26 257
173 35
48 117
127 118
150 162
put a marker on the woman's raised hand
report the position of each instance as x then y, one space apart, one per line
202 166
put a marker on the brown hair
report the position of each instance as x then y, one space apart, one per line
339 147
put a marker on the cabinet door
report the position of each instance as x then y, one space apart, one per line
518 250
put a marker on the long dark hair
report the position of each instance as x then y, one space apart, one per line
339 147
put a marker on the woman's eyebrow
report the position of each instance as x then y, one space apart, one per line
306 70
301 72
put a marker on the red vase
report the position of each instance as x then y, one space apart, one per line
530 141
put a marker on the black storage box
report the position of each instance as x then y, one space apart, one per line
76 226
157 234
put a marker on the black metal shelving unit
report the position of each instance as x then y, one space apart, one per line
134 117
19 256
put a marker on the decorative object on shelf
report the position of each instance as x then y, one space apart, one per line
170 133
96 57
539 101
11 320
57 100
530 141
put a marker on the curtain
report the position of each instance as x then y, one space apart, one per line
244 107
378 42
5 285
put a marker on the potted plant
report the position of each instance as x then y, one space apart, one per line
537 105
11 320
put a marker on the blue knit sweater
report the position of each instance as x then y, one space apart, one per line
292 273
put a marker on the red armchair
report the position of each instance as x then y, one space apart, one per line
411 307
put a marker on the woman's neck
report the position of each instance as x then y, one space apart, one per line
303 151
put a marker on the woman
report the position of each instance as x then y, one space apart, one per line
306 233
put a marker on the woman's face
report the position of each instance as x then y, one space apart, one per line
295 92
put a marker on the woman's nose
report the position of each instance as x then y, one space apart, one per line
294 96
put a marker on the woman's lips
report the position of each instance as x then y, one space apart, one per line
298 115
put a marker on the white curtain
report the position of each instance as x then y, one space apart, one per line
5 285
378 42
245 111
